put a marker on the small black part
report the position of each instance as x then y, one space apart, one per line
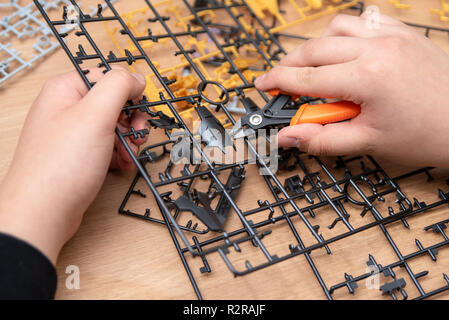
293 184
164 122
351 284
249 105
390 287
205 213
232 187
437 227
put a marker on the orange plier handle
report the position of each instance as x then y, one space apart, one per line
322 113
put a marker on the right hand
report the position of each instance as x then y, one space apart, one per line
397 75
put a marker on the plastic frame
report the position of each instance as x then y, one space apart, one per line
26 24
296 199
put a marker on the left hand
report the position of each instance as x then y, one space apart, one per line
65 150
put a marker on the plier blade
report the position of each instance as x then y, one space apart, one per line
273 114
240 132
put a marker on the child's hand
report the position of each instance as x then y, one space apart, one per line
398 76
64 152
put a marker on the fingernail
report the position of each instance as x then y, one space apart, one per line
288 142
139 77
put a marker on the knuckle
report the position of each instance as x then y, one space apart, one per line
370 148
289 58
304 76
391 46
121 75
337 22
370 69
370 141
409 34
308 48
49 84
385 53
55 84
275 75
310 145
395 43
315 146
304 144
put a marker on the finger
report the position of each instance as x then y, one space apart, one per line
105 100
67 89
114 161
118 163
352 26
325 51
139 121
124 159
121 159
336 139
339 81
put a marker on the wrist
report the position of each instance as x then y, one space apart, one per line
29 215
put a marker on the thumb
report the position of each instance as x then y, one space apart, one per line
105 100
335 139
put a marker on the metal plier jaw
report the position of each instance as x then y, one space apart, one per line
272 115
275 114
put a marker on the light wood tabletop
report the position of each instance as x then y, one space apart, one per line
120 257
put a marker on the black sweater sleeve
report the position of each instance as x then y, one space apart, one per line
25 272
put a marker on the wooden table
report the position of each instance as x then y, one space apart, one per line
124 258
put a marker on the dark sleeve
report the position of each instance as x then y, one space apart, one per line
25 272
